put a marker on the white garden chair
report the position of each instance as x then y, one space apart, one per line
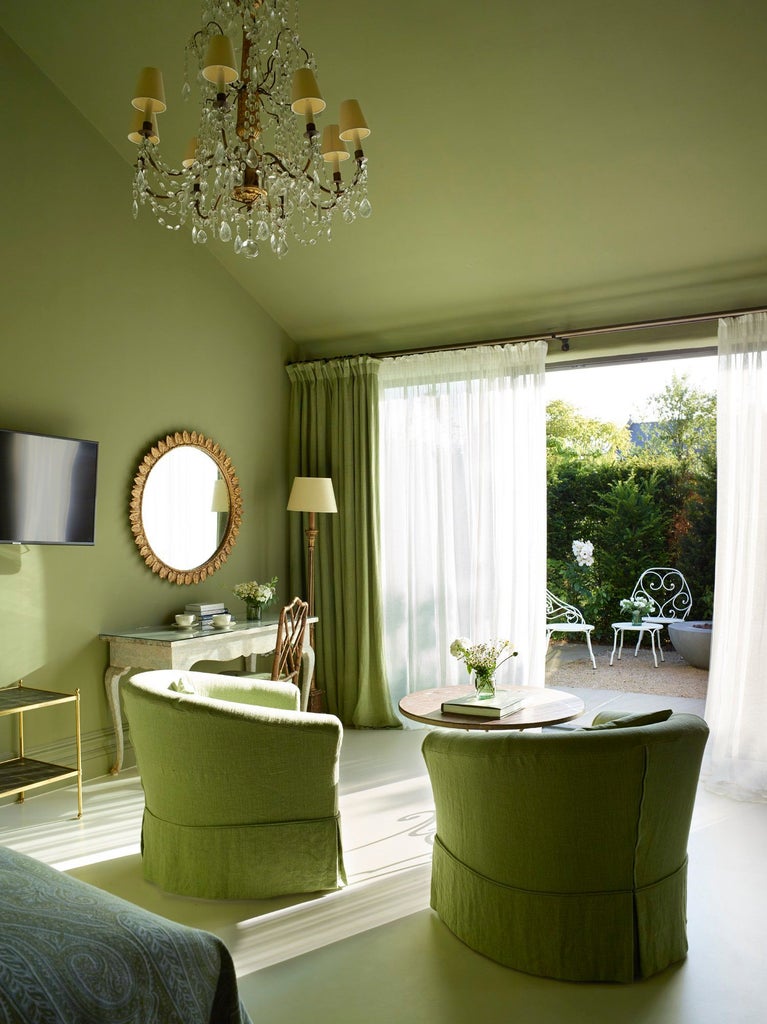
668 588
566 618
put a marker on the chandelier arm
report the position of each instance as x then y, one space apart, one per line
200 213
159 196
269 72
266 83
170 172
268 80
296 176
197 37
273 114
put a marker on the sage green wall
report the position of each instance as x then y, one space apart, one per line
121 332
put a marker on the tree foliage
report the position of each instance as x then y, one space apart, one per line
684 424
570 435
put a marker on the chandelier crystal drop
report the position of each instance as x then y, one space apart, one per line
254 175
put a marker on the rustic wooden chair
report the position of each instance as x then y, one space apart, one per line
288 650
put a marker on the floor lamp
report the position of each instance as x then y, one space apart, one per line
312 494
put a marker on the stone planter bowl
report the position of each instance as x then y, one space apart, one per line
693 641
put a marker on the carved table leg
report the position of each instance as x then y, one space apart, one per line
112 678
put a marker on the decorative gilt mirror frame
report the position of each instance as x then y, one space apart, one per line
224 463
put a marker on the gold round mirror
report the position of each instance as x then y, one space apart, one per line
185 507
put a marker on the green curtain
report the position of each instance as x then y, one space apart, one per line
334 432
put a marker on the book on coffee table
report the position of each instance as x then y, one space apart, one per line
503 703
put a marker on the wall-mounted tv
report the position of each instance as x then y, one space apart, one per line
47 489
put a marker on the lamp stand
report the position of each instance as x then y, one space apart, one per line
316 697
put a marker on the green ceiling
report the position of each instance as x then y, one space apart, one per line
535 165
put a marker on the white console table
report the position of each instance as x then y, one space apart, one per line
170 647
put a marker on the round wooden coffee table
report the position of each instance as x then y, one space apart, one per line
543 707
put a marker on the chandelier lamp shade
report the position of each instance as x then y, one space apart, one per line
258 173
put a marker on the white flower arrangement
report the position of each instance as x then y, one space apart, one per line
640 603
258 594
483 657
584 552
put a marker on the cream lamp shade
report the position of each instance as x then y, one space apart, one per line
312 494
150 92
307 98
332 147
353 124
191 152
137 123
220 67
220 502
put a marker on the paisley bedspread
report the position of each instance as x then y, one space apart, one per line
72 954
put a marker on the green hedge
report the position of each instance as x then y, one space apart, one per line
637 513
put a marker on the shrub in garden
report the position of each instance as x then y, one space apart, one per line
640 510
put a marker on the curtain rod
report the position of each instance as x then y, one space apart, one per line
563 335
580 332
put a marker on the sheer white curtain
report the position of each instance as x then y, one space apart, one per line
463 511
736 706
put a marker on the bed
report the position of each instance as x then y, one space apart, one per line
73 954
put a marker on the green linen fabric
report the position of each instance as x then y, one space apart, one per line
565 854
334 433
241 800
181 686
627 720
244 689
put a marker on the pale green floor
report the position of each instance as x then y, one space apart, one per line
412 969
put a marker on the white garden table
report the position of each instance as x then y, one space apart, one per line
653 628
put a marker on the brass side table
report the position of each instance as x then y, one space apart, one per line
18 774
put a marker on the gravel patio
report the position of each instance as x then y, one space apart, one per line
568 666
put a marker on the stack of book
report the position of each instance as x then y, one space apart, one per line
505 702
205 612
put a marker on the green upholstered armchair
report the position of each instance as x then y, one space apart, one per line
240 787
564 854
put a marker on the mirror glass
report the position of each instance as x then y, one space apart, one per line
185 507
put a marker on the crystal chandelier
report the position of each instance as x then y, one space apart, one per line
251 175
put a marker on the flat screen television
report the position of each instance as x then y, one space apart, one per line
47 489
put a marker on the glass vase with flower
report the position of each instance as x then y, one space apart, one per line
637 607
256 596
482 661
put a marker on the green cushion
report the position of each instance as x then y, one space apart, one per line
181 686
623 720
